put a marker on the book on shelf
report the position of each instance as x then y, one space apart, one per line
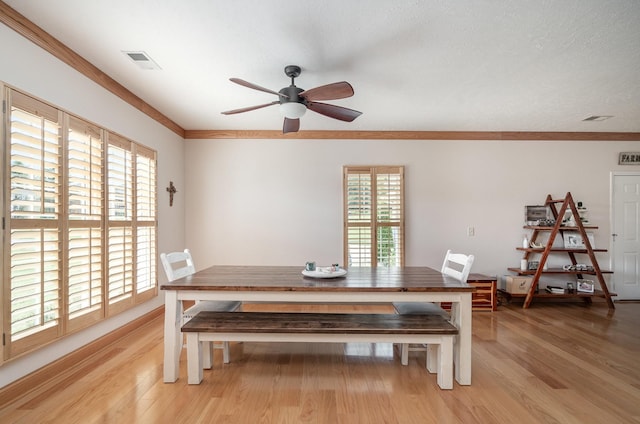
554 290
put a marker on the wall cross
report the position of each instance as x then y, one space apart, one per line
172 190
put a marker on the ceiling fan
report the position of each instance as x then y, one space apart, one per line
295 101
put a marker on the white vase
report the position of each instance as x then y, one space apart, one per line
523 265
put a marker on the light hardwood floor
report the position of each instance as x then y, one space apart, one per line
563 363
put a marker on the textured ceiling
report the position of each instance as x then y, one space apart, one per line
419 65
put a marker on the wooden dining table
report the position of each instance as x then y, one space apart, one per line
274 284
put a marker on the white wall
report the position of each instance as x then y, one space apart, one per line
279 202
29 69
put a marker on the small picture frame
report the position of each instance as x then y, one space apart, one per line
533 214
573 240
585 286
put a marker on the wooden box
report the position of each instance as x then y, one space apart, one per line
518 284
485 296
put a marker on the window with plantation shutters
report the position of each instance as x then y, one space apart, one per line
85 205
81 230
373 216
120 232
33 293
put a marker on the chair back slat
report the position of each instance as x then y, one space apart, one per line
177 264
457 265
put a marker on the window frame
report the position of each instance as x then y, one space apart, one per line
370 200
79 204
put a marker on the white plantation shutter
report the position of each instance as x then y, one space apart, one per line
120 214
34 241
374 216
85 209
85 272
390 216
85 185
120 264
35 160
146 260
358 204
132 224
146 280
120 181
81 228
145 185
35 291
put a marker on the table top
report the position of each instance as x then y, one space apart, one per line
290 278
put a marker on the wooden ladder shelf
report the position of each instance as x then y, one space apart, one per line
565 204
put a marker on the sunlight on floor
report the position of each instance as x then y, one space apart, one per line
377 350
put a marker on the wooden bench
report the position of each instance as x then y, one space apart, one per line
322 327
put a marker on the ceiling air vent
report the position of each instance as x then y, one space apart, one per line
143 60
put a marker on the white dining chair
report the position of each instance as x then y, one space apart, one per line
456 265
180 264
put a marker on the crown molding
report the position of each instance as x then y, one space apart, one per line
414 135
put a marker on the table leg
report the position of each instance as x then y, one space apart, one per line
461 317
172 336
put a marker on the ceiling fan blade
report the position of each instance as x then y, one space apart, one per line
333 111
247 109
337 90
256 87
290 125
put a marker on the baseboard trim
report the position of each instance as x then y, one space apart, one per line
37 379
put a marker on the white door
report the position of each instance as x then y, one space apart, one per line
626 236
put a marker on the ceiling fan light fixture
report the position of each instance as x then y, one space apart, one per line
295 101
292 110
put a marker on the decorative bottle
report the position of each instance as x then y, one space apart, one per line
525 242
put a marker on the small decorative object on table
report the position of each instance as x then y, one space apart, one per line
332 271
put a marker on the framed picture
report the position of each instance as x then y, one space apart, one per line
585 286
573 240
536 213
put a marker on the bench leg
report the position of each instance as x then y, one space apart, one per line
225 352
194 359
445 363
207 357
432 358
404 353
